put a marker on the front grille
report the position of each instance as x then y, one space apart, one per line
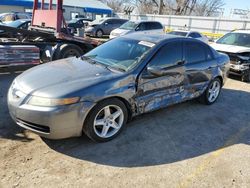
33 126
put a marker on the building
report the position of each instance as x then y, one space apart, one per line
93 9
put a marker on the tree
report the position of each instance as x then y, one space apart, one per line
175 7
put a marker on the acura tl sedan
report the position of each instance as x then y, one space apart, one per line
99 92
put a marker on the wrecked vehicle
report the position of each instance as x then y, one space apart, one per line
236 45
100 91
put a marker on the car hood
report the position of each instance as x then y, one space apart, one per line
62 78
230 48
119 31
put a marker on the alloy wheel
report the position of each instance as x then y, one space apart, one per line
214 91
108 121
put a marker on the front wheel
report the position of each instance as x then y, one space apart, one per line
106 120
212 92
246 77
99 33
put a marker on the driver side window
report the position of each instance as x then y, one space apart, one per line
168 55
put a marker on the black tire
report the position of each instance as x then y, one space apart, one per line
99 33
89 127
246 77
68 50
204 98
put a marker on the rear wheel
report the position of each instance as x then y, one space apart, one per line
106 120
68 50
212 92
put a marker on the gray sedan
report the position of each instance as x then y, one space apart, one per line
100 91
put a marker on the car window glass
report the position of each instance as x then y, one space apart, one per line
195 52
117 21
168 55
8 17
209 54
198 35
156 25
21 16
192 35
142 27
110 21
149 25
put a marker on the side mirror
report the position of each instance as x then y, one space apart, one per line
155 71
106 23
137 29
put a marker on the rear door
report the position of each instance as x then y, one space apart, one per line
199 66
158 92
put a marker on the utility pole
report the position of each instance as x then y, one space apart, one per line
161 7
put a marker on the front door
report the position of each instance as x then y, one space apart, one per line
156 92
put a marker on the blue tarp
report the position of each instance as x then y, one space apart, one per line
25 3
97 10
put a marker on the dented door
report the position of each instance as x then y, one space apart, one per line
158 92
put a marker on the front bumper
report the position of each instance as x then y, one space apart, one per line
49 122
90 32
238 70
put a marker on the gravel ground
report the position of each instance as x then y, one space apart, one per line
186 145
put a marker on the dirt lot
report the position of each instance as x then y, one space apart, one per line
186 145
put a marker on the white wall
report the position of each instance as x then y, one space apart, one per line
202 24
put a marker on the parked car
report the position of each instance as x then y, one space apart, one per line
147 27
20 24
237 45
100 91
12 16
101 27
191 34
79 23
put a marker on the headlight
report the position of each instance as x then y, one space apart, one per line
90 29
41 101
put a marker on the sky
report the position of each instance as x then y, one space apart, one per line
239 4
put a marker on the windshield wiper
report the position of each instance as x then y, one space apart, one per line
116 68
88 59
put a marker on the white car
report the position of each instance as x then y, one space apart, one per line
191 34
236 45
147 27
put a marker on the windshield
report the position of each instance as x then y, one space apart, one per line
95 22
179 33
129 25
237 39
121 53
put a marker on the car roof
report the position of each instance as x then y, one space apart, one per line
143 21
115 18
242 31
154 38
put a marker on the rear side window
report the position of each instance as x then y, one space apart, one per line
110 21
153 25
195 52
22 16
168 55
121 21
194 35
